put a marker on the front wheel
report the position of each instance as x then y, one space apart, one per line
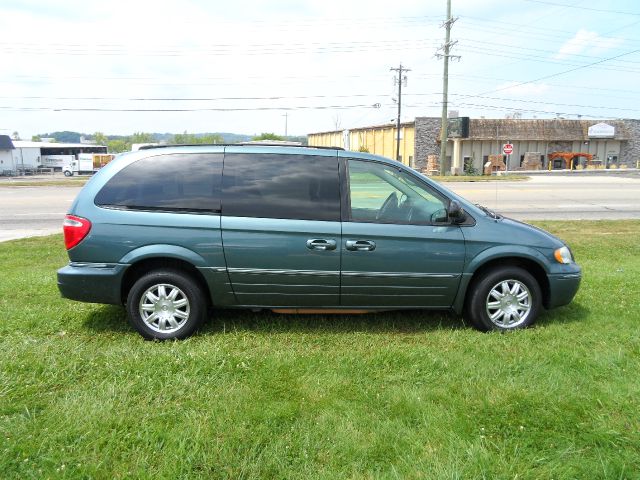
506 298
68 173
166 304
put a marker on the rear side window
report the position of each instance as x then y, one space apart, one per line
303 187
183 182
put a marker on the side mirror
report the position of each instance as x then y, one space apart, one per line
455 212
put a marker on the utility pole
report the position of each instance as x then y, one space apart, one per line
445 86
286 117
400 79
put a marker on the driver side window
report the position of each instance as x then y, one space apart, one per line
383 194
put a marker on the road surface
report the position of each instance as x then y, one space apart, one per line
31 211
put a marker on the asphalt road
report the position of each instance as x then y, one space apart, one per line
31 211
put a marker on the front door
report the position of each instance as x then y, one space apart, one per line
281 228
398 247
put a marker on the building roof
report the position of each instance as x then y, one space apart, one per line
25 144
6 143
372 127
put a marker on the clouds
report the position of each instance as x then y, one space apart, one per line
313 55
585 41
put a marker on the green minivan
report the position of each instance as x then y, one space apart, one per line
173 232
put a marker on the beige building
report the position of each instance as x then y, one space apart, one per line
379 140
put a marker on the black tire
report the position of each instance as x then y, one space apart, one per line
179 309
67 173
519 307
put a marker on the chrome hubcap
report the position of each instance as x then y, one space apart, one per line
164 308
508 303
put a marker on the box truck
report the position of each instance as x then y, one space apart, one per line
87 163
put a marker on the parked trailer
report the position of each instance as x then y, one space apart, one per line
87 163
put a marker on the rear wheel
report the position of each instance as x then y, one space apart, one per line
506 298
166 304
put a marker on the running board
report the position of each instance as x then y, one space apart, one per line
312 311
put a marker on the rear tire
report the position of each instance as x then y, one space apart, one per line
165 305
506 298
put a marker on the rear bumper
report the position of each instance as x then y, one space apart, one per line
563 287
92 282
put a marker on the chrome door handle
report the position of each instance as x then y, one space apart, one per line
321 244
360 245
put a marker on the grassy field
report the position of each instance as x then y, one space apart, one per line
43 182
479 178
394 395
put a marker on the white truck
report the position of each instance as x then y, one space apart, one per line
87 163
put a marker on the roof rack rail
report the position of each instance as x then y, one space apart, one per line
239 144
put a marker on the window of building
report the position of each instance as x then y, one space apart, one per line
267 185
184 182
383 194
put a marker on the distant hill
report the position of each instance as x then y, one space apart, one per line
74 137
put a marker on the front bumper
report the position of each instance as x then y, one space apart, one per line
92 282
563 287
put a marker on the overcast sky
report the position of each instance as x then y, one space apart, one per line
167 66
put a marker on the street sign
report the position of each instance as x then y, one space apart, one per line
507 148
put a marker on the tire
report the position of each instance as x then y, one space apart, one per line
67 173
503 299
178 310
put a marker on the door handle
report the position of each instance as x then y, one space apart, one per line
321 244
360 245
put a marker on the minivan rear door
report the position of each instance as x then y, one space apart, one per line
281 226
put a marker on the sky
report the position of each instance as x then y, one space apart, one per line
298 66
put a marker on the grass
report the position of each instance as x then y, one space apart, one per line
393 395
479 178
68 182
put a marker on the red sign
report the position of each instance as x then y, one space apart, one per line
507 148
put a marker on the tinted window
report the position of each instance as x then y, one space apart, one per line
301 187
383 194
186 182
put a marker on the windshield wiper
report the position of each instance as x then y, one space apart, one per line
488 211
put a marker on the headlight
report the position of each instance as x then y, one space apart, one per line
563 255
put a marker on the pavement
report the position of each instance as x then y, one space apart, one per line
568 197
39 210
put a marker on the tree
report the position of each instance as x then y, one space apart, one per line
100 138
15 136
191 139
268 136
118 145
141 137
35 138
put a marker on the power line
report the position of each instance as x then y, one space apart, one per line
544 2
557 74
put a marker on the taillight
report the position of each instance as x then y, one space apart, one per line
75 229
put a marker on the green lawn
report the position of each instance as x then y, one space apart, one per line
394 395
479 178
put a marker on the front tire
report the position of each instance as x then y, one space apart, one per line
67 173
506 298
166 304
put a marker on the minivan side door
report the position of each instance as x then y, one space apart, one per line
281 227
398 247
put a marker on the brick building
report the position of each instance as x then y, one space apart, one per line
607 144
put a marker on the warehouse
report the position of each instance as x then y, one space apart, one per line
537 143
19 157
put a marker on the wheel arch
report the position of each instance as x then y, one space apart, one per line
526 263
149 264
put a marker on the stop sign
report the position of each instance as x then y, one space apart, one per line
507 148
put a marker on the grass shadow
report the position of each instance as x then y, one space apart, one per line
108 318
574 312
398 321
113 319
